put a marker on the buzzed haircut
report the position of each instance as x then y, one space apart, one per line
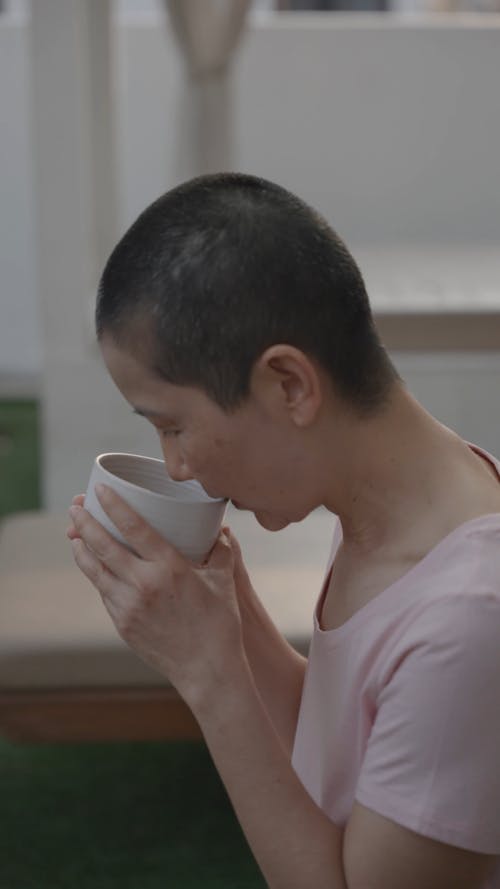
222 267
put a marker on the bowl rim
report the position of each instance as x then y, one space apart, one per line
206 501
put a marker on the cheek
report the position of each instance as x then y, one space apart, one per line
203 458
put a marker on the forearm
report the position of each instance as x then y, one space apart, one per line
293 841
278 670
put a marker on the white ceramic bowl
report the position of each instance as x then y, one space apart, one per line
182 512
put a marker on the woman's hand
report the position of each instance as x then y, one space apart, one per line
181 619
245 592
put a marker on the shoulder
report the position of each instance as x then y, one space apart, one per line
451 636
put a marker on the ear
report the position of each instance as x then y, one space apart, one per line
285 379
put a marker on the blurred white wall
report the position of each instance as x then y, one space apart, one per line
20 339
391 130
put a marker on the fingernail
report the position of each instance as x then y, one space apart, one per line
74 510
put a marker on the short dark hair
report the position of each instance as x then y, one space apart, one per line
222 267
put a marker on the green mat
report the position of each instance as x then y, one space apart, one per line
118 816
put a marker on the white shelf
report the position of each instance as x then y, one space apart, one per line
425 280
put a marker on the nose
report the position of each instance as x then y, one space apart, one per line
177 469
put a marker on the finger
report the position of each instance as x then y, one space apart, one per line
239 565
208 557
114 556
115 594
144 540
232 538
222 554
234 543
90 565
71 531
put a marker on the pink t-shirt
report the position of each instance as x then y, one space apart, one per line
401 704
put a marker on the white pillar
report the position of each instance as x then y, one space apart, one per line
75 193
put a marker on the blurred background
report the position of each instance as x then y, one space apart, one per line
383 114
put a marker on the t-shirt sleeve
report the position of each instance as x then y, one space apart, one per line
432 761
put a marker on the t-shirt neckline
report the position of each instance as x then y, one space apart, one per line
379 601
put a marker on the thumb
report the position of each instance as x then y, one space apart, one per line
240 571
222 552
234 544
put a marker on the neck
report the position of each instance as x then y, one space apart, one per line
388 474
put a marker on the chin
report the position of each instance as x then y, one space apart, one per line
271 522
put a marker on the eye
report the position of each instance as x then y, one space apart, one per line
168 433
